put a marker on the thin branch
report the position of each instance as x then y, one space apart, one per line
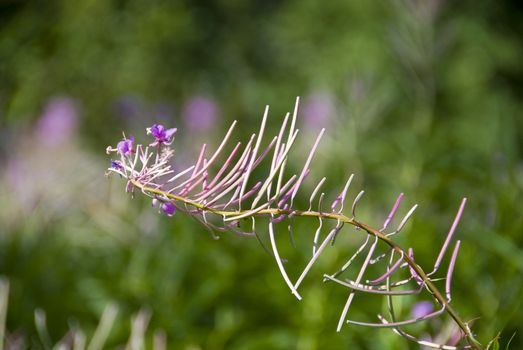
230 187
278 261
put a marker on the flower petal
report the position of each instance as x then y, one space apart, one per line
169 133
168 208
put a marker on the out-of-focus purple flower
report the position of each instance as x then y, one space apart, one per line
168 208
58 123
161 135
423 308
162 110
318 109
200 114
455 336
125 147
128 107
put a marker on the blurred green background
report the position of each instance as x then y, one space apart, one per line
420 97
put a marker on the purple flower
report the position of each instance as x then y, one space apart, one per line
128 107
423 308
168 208
58 123
318 110
115 164
125 147
200 114
161 135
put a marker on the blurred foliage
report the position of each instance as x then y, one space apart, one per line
421 97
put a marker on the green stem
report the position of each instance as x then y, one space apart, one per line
338 217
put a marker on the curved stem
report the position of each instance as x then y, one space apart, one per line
342 218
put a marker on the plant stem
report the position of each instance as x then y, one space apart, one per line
338 217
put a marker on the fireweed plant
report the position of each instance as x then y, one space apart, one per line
220 194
